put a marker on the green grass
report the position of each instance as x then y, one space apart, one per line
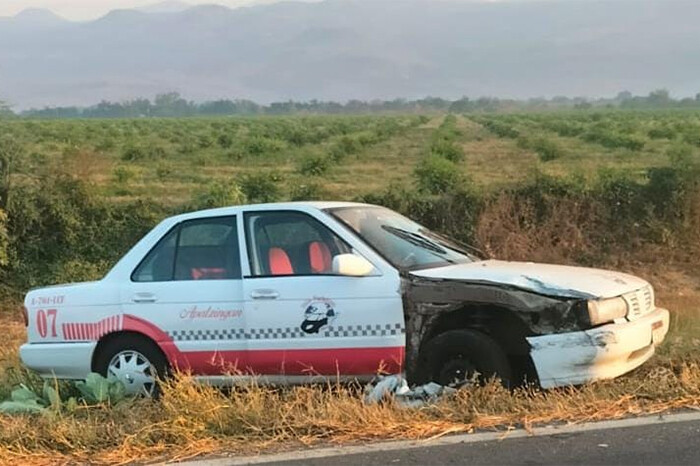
169 160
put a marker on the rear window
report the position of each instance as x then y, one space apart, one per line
203 249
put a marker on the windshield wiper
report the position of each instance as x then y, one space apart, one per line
416 239
471 251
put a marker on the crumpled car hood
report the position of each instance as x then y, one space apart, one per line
546 279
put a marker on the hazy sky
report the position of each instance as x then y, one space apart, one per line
88 9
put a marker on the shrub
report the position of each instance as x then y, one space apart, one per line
257 145
123 174
547 149
4 239
60 229
307 192
314 164
692 137
219 194
347 145
435 175
133 153
501 129
680 155
447 149
662 132
164 171
261 187
225 140
614 140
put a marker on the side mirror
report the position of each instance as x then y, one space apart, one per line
351 265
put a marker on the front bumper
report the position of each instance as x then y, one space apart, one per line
604 352
59 360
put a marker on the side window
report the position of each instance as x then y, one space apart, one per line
290 243
205 249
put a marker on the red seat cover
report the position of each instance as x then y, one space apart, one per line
208 273
279 262
319 257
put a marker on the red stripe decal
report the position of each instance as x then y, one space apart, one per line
330 361
327 361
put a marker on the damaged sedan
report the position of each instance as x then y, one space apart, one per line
301 292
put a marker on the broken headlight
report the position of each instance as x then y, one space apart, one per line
606 310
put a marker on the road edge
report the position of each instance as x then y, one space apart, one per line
549 430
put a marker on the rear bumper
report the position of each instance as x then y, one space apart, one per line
601 353
59 360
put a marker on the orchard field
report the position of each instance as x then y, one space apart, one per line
616 189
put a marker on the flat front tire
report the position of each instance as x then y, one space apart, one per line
458 357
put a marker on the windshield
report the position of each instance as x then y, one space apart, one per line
403 242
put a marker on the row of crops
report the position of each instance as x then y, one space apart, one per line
631 131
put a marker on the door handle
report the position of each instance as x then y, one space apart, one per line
264 294
144 298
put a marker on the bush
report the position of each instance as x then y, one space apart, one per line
261 187
614 140
346 145
547 149
436 175
692 137
662 132
257 145
447 149
4 239
219 194
123 174
307 192
501 129
314 164
225 140
59 229
133 153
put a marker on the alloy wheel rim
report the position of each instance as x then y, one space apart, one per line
135 371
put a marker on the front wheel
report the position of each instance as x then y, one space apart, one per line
458 357
136 362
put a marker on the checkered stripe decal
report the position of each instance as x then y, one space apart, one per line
369 330
373 330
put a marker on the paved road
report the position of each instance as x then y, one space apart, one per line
654 440
673 443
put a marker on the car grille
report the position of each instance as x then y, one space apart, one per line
640 302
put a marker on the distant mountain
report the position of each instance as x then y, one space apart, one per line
37 16
166 7
345 49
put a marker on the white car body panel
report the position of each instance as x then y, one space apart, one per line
601 353
547 279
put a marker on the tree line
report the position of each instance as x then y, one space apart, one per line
172 104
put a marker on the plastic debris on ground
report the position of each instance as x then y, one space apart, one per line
396 387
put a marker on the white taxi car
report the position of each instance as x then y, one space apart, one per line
295 292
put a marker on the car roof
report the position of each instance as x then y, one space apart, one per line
222 211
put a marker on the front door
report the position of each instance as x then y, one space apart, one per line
302 319
187 294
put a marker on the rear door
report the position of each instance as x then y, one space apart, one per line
303 320
187 293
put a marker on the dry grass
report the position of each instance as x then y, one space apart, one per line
511 230
192 419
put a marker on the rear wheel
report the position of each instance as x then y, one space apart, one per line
133 360
459 357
